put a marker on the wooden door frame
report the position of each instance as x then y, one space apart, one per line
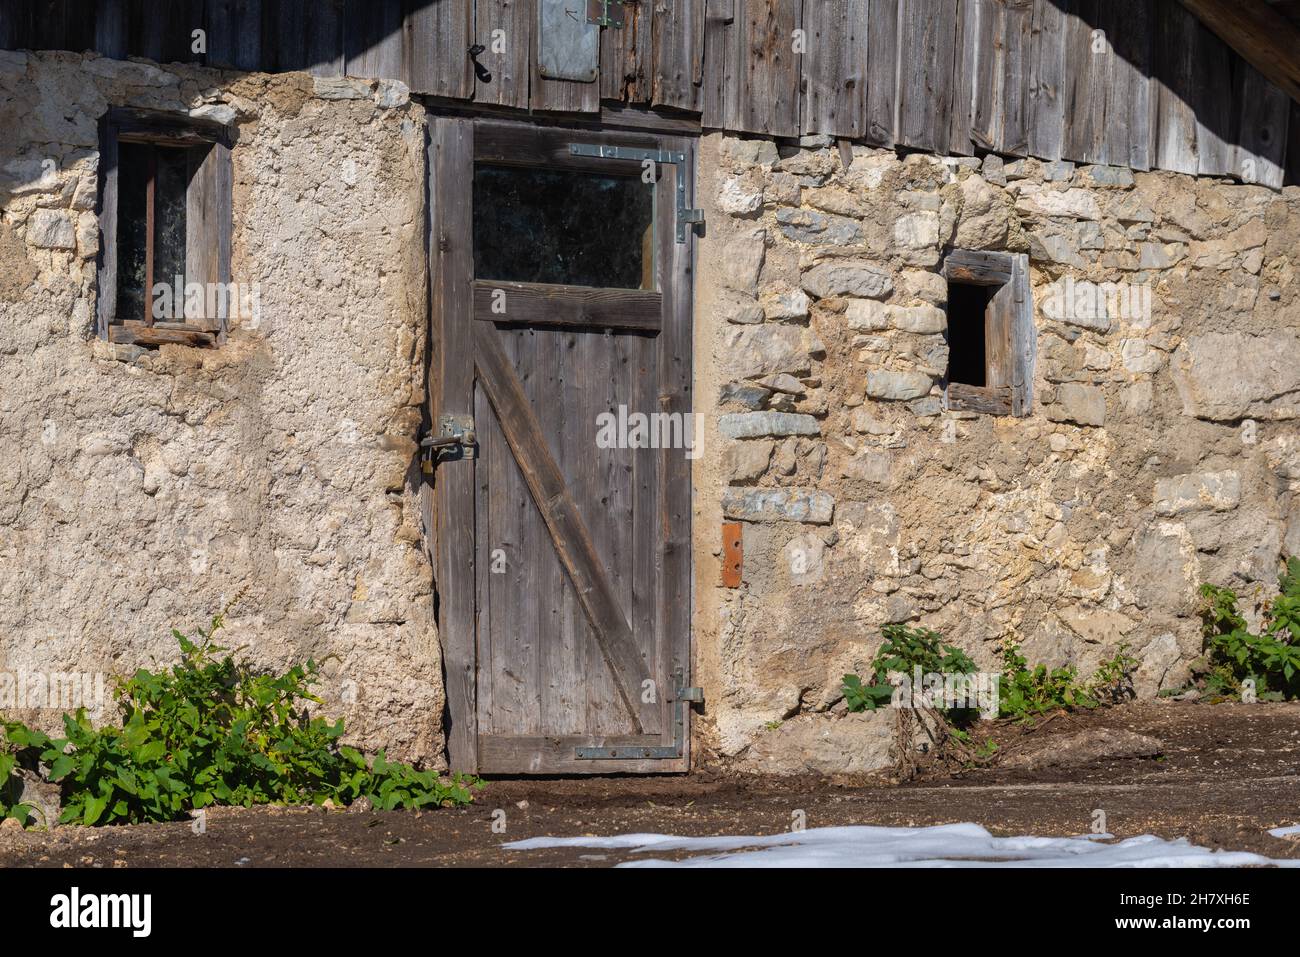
451 153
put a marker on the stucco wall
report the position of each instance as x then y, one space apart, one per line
144 489
1162 451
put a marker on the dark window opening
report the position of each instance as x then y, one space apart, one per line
990 334
153 183
563 227
967 344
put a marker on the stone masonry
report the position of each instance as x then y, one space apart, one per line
1162 449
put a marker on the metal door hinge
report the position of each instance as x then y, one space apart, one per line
685 215
682 699
454 432
605 13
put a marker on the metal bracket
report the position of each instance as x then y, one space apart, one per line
454 431
683 697
605 13
685 215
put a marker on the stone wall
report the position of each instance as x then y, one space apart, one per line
1162 449
145 489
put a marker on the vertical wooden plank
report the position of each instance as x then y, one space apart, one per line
234 33
1130 134
561 96
504 28
835 68
625 57
1087 63
767 98
168 32
1012 135
975 78
1216 119
145 33
720 60
1174 81
200 219
323 45
1292 177
106 266
17 31
676 54
63 24
110 28
372 39
517 656
1024 337
674 597
881 72
1046 112
999 354
150 232
435 47
284 36
49 24
223 176
571 663
596 488
1261 147
208 220
646 479
496 556
451 270
927 53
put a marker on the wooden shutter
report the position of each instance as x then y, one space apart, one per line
208 226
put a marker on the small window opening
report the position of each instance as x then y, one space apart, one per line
990 333
967 342
165 225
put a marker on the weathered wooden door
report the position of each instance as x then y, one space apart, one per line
561 303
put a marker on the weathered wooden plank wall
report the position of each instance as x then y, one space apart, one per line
1141 83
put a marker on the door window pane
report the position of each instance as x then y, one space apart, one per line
562 226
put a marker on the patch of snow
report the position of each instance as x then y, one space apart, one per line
1285 831
946 845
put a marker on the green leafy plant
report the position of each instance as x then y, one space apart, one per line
1271 657
1025 692
11 789
904 650
215 730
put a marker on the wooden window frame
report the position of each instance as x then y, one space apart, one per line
516 144
1010 335
209 221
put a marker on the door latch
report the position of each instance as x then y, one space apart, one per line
454 432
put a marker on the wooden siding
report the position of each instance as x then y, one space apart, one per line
1139 83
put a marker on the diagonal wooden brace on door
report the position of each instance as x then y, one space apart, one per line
569 534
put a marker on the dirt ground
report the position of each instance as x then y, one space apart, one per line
1226 774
